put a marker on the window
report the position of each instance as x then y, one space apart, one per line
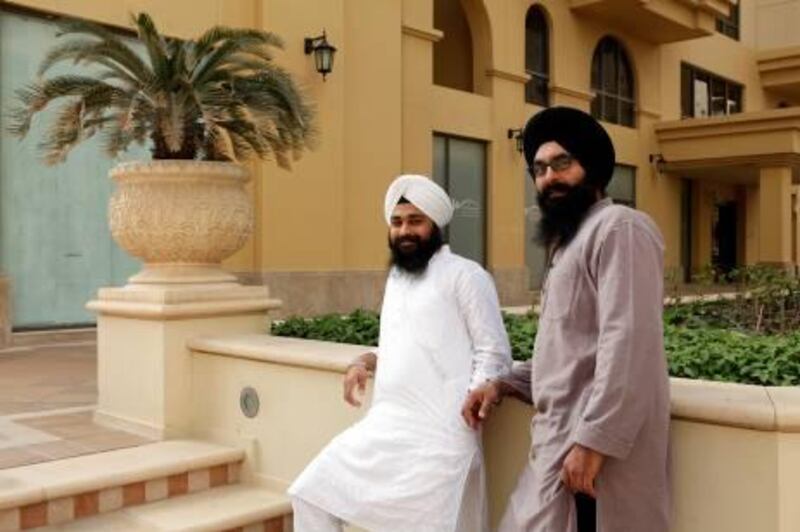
452 56
622 187
459 166
705 94
537 64
612 83
730 25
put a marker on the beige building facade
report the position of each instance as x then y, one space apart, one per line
700 98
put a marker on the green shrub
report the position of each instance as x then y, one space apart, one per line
733 356
521 333
360 327
694 348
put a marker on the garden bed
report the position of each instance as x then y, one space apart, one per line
703 340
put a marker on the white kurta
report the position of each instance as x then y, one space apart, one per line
411 464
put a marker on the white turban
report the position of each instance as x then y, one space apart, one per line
424 194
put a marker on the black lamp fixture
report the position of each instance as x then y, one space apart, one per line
657 160
323 53
516 134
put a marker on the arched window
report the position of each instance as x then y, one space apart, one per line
612 83
537 51
452 56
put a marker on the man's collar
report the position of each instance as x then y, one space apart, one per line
600 204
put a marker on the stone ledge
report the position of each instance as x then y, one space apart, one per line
763 408
722 403
312 354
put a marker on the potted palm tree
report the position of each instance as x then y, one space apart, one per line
203 106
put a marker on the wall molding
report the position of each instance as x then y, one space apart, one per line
573 93
426 34
508 75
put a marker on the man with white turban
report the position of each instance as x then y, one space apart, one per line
412 464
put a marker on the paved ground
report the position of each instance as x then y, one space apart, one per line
47 396
33 379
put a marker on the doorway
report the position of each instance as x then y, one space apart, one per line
724 247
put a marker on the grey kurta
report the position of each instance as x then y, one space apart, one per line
599 378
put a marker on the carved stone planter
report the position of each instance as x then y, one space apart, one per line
181 218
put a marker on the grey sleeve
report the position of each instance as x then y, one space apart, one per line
520 380
630 303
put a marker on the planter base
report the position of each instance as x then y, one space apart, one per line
181 274
143 365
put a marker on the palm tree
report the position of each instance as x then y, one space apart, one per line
220 97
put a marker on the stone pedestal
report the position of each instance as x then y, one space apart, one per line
144 367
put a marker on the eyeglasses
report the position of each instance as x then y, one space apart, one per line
559 163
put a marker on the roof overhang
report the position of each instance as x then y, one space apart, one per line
657 21
780 71
734 147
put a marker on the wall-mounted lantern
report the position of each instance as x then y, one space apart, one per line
323 53
516 134
657 160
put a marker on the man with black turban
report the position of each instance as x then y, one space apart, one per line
598 376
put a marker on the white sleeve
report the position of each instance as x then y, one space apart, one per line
480 307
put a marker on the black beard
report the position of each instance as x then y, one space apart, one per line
562 215
417 260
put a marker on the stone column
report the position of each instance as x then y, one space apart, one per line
775 224
703 226
5 312
144 367
796 228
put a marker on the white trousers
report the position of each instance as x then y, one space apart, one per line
310 518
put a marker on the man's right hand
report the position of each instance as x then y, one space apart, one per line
355 379
480 402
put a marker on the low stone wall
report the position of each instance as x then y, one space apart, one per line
736 448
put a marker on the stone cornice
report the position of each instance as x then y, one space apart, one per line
574 93
718 8
760 161
768 120
517 77
761 138
779 58
426 34
175 302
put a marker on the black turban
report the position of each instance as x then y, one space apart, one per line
578 133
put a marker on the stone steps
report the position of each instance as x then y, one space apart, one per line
239 508
147 483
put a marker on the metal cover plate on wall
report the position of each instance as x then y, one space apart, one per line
249 402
